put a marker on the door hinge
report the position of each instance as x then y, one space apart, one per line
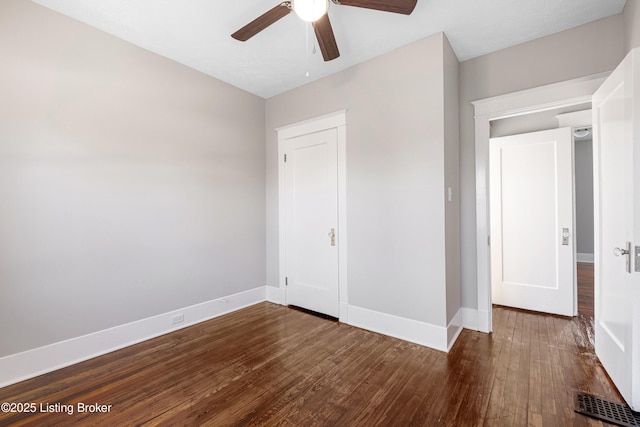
285 158
286 281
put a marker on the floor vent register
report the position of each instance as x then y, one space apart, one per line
604 410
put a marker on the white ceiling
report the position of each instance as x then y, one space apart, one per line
197 32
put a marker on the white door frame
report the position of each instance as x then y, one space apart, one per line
544 98
336 120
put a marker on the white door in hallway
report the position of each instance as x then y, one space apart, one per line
616 109
311 192
532 221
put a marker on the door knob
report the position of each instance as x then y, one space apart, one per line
626 251
620 251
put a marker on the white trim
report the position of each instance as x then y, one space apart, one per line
344 312
400 327
31 363
342 219
317 124
543 98
484 320
336 120
572 92
576 119
454 328
276 295
470 318
585 258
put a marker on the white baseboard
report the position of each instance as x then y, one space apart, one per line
585 258
276 295
454 328
399 327
470 318
21 366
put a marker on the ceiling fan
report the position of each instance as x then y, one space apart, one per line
315 11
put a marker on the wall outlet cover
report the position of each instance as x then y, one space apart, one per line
178 318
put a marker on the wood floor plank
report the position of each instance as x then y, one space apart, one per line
520 398
547 386
585 273
269 365
534 411
504 329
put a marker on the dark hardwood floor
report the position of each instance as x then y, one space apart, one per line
585 288
271 365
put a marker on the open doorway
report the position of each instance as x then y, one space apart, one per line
578 117
584 193
615 134
558 95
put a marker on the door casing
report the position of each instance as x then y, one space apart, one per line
558 95
336 120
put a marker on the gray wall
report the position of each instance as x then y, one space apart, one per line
130 185
395 175
583 160
585 50
631 15
452 180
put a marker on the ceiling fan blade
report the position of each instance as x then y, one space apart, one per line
262 22
326 39
397 6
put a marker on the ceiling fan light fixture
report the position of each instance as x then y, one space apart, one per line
310 10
